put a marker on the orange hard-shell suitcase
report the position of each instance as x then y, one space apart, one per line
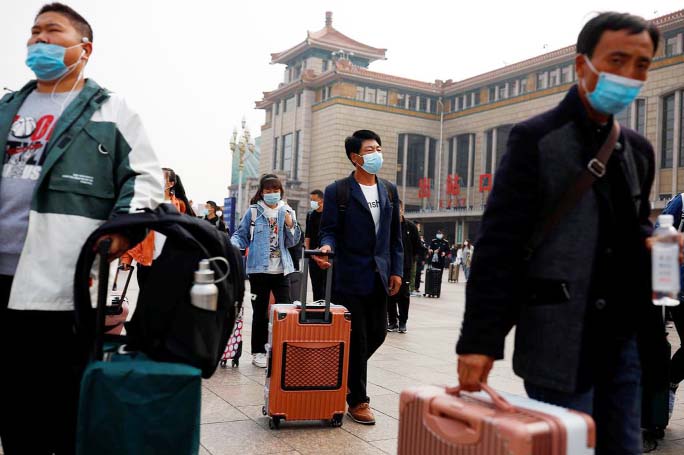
439 420
308 358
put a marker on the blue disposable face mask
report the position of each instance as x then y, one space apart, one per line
314 205
47 61
372 162
272 198
612 93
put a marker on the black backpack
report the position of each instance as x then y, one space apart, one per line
165 325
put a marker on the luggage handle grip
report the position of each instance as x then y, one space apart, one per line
500 402
452 422
306 254
309 253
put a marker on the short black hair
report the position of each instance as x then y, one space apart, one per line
76 19
591 32
318 193
213 204
353 143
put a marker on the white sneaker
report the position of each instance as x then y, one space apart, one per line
259 360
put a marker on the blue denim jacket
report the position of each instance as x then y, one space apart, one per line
259 246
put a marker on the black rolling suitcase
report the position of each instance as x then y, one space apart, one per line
433 282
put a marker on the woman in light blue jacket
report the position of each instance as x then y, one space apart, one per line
268 229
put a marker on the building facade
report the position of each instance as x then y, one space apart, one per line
442 140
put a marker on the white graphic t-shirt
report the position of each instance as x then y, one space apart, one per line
275 264
23 160
373 200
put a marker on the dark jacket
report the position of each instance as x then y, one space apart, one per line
438 246
217 221
410 238
551 296
359 251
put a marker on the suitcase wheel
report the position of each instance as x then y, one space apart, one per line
223 363
274 423
236 363
336 421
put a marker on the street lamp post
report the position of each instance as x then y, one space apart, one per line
241 147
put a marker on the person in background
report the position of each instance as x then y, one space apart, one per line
402 299
421 254
312 241
213 218
268 228
151 247
73 155
466 257
438 250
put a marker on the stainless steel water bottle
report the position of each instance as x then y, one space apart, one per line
204 293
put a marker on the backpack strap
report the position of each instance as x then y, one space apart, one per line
253 211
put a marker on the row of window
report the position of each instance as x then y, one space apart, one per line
674 44
371 94
286 152
288 103
671 129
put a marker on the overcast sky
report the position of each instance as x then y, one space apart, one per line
193 69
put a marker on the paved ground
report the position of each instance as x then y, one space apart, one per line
232 422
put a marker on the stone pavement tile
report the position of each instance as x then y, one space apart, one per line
241 437
387 404
669 448
315 441
227 377
203 451
675 431
215 409
241 394
386 445
260 378
385 427
255 413
374 390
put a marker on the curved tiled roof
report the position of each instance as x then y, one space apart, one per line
331 39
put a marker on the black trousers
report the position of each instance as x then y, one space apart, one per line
401 299
419 271
261 285
42 364
369 316
318 277
677 365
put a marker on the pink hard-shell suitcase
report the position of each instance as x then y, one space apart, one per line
446 421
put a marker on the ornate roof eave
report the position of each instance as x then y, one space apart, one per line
311 43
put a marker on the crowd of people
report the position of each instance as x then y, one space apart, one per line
577 288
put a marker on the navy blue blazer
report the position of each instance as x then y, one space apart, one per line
359 252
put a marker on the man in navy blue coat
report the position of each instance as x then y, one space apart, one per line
361 224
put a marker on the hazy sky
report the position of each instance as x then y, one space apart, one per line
193 69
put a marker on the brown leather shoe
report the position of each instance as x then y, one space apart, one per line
362 413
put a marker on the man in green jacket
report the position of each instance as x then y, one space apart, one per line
73 156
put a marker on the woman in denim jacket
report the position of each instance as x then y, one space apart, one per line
268 228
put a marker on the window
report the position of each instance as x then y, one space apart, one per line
542 80
327 93
277 107
286 157
522 86
289 104
415 159
489 150
462 152
299 99
640 116
493 94
673 45
567 74
359 93
432 154
476 98
381 96
456 104
401 100
412 102
667 132
422 105
502 133
502 92
554 77
466 101
400 161
298 150
325 66
275 154
370 95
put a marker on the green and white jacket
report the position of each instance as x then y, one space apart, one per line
98 163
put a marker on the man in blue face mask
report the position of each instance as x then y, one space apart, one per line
73 155
576 286
361 223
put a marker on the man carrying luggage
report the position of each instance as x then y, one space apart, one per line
401 300
312 242
578 290
361 224
74 155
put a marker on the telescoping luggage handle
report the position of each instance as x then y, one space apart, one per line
130 270
328 286
102 291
